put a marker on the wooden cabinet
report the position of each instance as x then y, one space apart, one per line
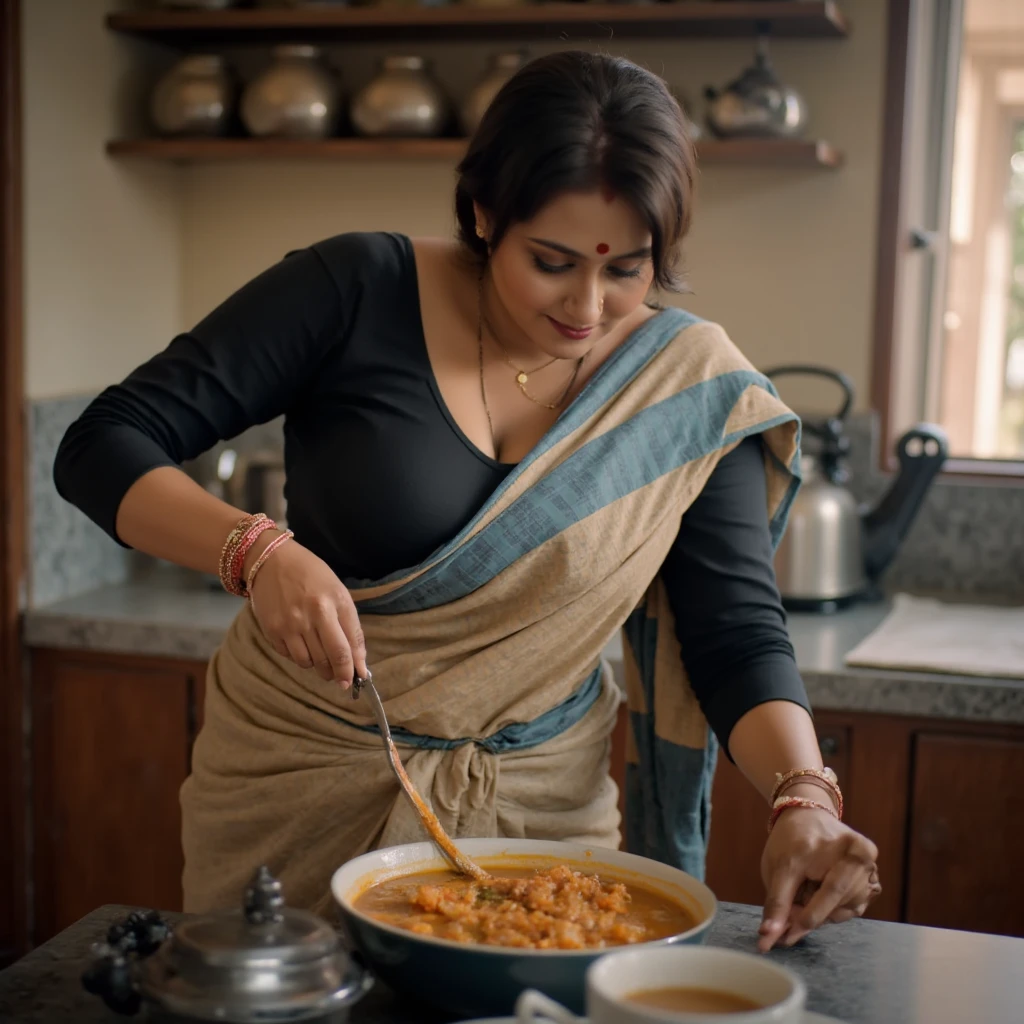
943 800
111 743
965 862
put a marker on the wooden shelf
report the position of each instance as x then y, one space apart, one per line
752 152
570 21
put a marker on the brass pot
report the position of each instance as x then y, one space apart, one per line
194 98
297 96
503 66
402 100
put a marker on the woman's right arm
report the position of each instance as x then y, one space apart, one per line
300 604
250 360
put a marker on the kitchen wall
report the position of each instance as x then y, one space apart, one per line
102 240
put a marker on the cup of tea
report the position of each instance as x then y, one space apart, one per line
678 985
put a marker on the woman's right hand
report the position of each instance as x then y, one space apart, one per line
307 613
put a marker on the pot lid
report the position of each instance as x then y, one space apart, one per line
263 962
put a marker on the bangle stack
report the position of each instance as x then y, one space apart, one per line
825 778
236 547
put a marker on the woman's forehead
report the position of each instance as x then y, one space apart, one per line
592 221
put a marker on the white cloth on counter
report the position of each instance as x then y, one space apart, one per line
929 635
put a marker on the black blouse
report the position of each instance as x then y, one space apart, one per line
379 475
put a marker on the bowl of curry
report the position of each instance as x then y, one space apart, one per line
548 911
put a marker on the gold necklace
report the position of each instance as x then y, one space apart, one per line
522 376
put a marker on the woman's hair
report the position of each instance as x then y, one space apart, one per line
574 121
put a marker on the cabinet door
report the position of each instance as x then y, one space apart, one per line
739 818
966 838
111 742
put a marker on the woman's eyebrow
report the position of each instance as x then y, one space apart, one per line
565 250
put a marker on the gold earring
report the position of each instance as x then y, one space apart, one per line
480 233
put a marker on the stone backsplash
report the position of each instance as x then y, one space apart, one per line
68 554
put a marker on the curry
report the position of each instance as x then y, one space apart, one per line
550 908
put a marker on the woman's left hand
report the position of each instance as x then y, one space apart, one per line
810 851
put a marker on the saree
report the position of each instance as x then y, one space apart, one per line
488 655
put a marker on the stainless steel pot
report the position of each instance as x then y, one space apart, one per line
263 962
297 96
403 100
195 97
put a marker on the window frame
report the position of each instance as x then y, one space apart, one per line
909 22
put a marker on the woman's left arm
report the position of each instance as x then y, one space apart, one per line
805 845
738 656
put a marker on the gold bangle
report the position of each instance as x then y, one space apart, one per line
264 555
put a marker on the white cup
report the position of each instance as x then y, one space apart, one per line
780 993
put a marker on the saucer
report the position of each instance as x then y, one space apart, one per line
810 1017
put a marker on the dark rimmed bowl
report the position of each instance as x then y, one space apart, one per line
485 981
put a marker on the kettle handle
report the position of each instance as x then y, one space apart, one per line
807 370
921 451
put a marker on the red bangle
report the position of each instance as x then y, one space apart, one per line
244 545
229 574
784 803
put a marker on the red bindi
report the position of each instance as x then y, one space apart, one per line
602 248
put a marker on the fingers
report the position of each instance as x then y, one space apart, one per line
323 634
321 662
298 651
336 646
844 885
841 914
778 905
349 619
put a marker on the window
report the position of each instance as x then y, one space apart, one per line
951 348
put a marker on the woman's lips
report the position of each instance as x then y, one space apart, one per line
575 333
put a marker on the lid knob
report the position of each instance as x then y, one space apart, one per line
263 899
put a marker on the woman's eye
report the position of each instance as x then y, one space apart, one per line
551 268
622 272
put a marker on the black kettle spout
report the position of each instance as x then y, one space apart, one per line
921 451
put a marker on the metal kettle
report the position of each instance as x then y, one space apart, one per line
756 104
834 551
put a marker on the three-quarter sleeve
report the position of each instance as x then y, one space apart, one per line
245 363
721 587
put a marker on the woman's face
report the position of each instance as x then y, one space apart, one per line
564 280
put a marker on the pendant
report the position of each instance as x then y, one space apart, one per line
522 379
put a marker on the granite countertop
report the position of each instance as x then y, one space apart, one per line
861 972
172 613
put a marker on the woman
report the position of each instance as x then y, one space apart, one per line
498 454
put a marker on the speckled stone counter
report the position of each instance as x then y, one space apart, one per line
179 615
862 972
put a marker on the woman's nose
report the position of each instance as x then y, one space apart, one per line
585 302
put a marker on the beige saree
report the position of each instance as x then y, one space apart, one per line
488 655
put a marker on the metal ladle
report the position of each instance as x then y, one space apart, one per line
459 860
